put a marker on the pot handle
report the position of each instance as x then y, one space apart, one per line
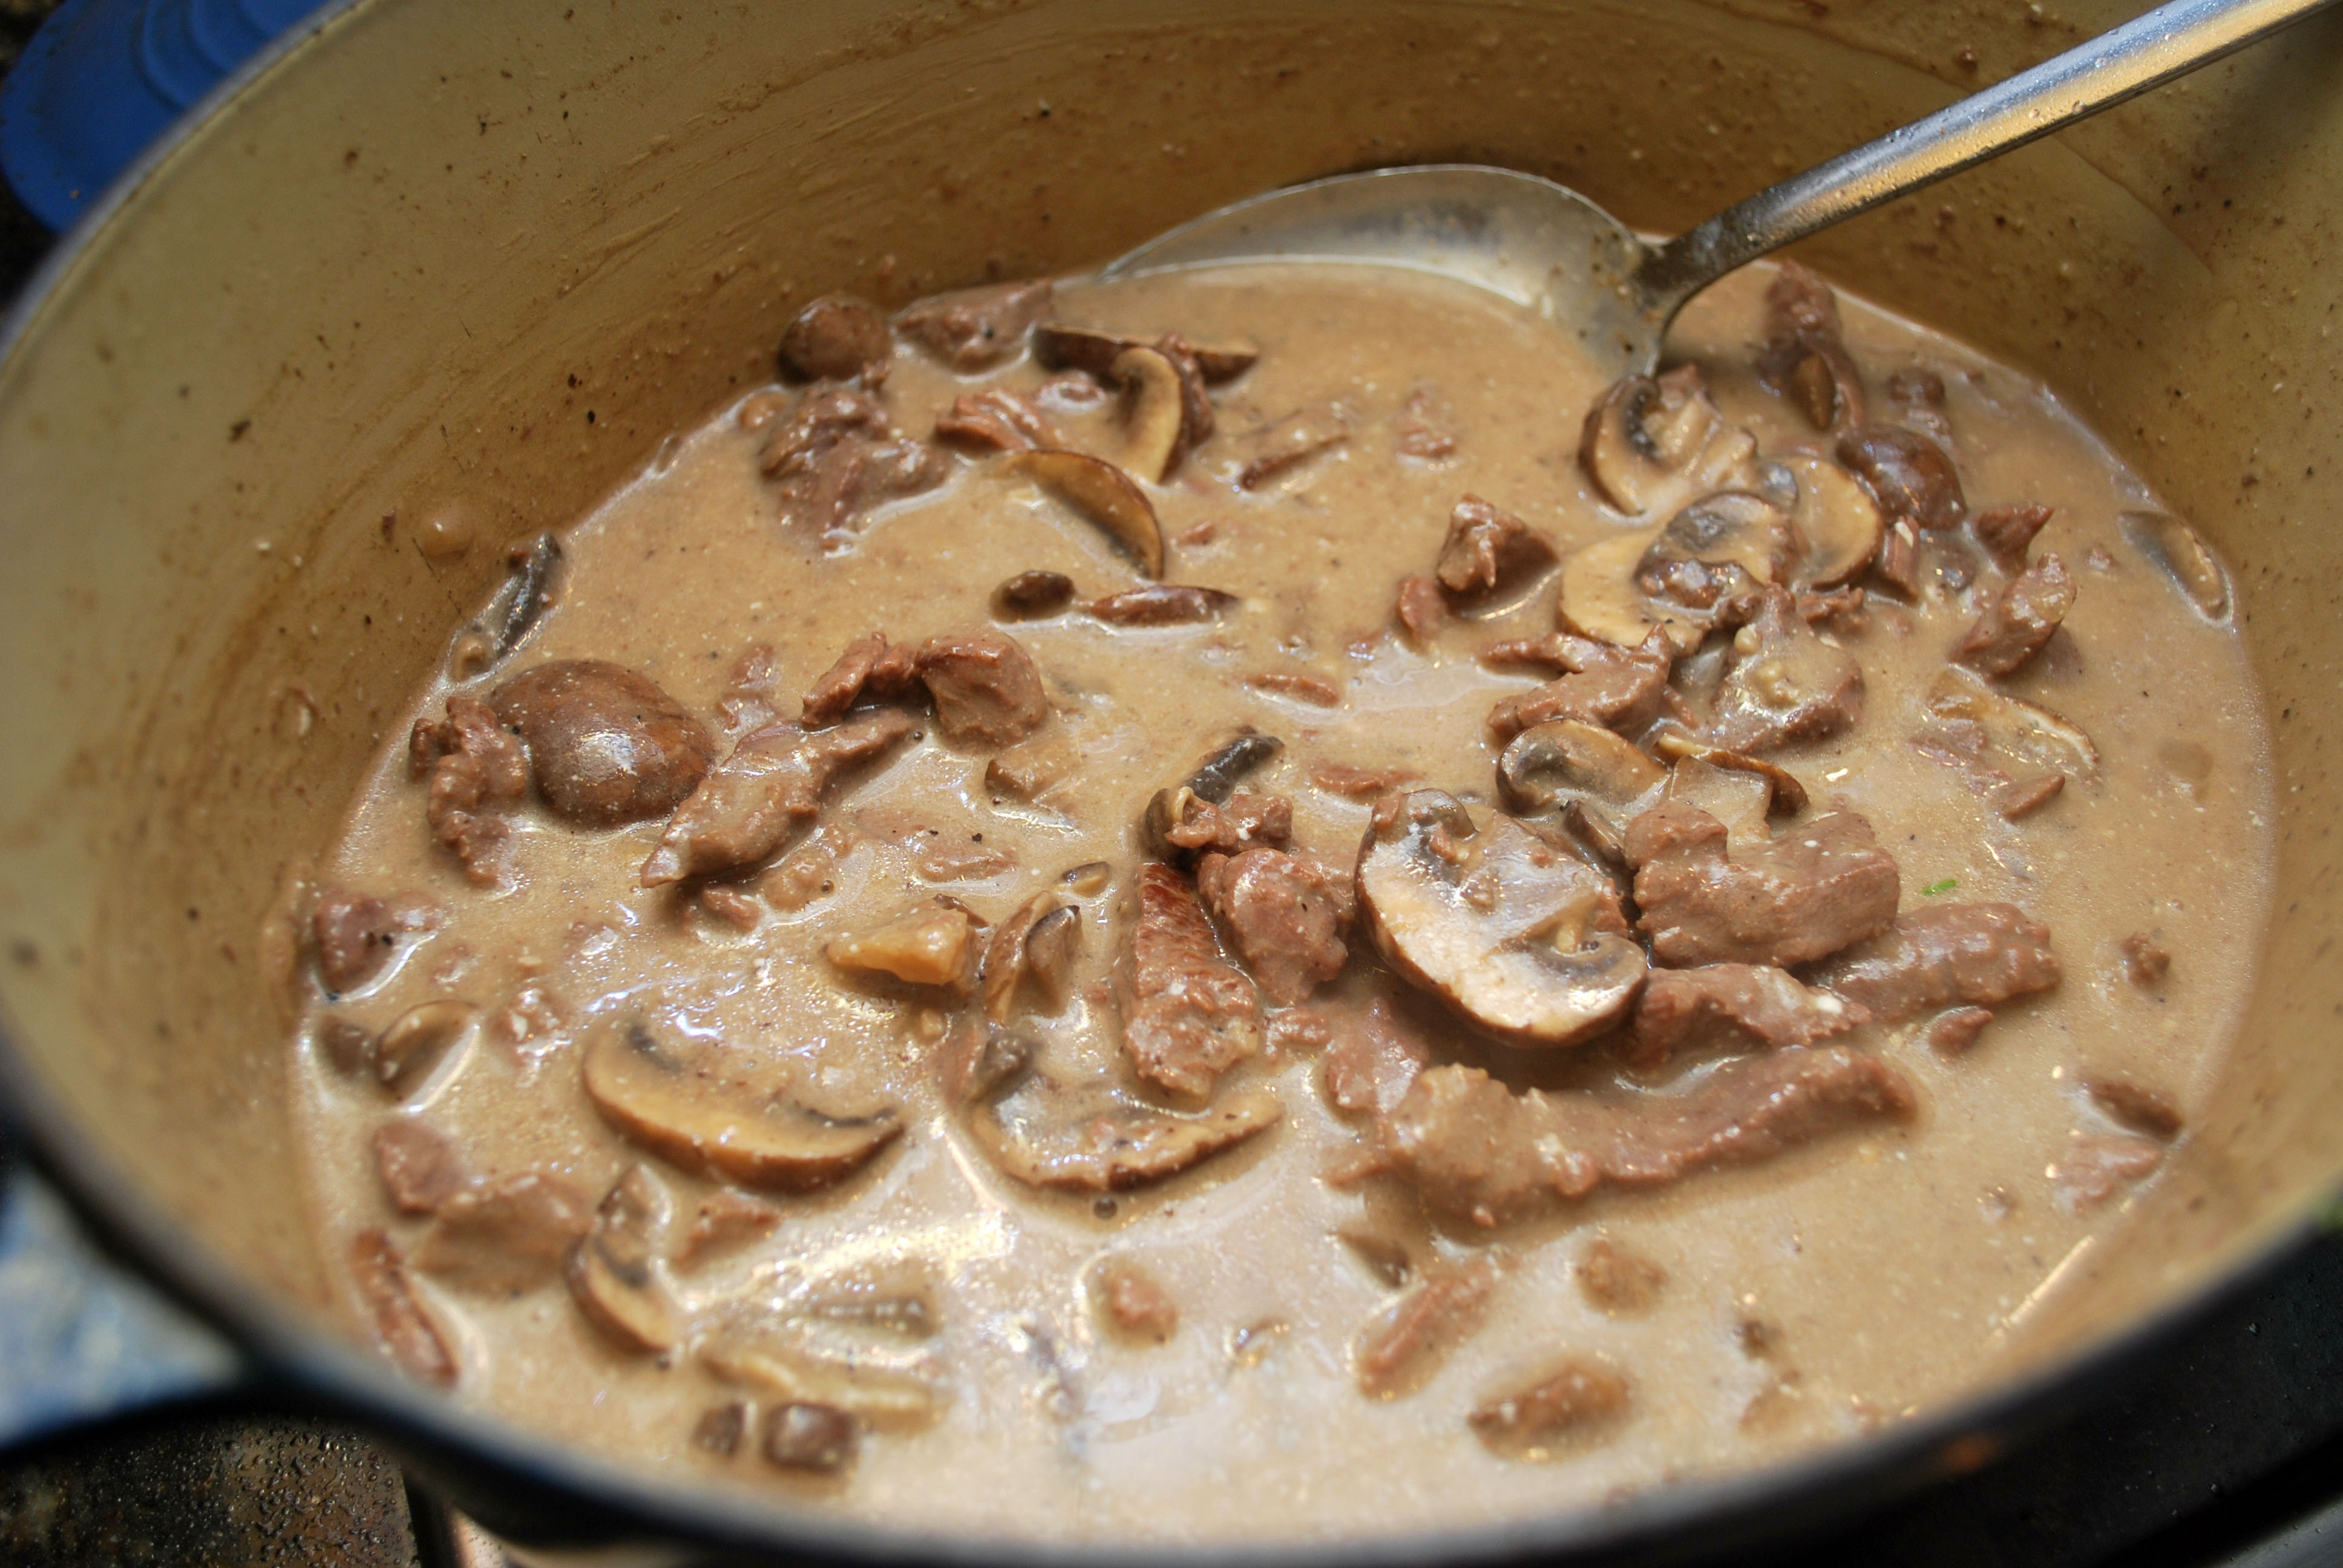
81 1340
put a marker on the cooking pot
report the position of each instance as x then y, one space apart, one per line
432 260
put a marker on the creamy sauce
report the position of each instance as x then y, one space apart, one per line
1807 1298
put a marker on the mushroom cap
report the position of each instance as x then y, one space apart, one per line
1836 518
1548 765
1600 597
606 745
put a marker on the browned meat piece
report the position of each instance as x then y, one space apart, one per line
1287 916
2146 961
1972 955
986 689
1475 1149
357 935
1355 783
836 457
1953 1032
1422 429
999 418
1619 688
975 327
606 745
1735 1006
1786 683
2018 619
1556 653
475 764
749 690
2008 532
1492 559
2022 797
810 871
1189 825
1805 357
347 1045
1907 474
1802 894
1278 449
2136 1106
1298 684
420 1168
1162 604
720 1428
870 671
724 1220
1617 1280
1372 1063
1133 1302
1407 1342
405 1330
1420 611
1032 595
508 1236
1845 610
765 794
836 338
732 906
803 1435
1570 1405
2094 1169
1101 1144
1188 1014
1961 744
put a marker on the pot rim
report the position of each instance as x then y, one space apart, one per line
595 1500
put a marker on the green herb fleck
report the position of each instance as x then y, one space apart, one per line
1933 888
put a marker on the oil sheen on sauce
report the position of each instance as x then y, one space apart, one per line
1801 1299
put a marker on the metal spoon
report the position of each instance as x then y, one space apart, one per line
1545 245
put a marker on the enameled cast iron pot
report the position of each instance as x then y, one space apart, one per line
440 253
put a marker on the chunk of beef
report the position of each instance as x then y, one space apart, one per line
1786 683
474 765
1737 1006
1475 1149
2094 1169
2021 798
1569 1405
870 671
1907 474
1134 1301
1805 357
420 1168
2136 1106
986 689
1355 783
1955 1031
2018 619
402 1325
1971 955
1620 688
1300 685
1094 1144
606 745
357 935
836 455
749 687
1162 604
1407 1342
508 1236
837 338
1420 611
1274 449
1287 916
1189 826
2146 961
766 793
1617 1280
1490 559
1372 1063
999 418
1188 1014
975 327
2007 533
1803 894
811 871
1422 428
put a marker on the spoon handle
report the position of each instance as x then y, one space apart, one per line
2146 51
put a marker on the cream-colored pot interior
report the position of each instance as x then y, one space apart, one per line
449 255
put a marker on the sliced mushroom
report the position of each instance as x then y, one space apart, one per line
891 1393
1787 797
1512 930
934 945
1550 764
688 1115
1097 1143
1909 475
1642 435
1059 346
419 1041
1600 598
1010 957
2184 557
1157 429
1032 595
1102 493
1278 448
1050 950
1721 545
615 1274
2011 725
1836 517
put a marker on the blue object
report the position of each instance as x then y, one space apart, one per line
103 78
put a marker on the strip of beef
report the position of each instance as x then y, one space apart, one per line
1491 558
1287 916
2094 1169
1419 610
1966 955
1803 894
1372 1063
975 327
837 454
2007 533
406 1332
1406 1341
1161 604
505 1237
757 799
986 689
1618 687
1423 429
1189 825
1737 1006
1475 1149
2018 619
420 1168
1805 357
1786 683
999 418
1273 450
475 765
357 935
1907 474
871 670
1356 783
1188 1014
